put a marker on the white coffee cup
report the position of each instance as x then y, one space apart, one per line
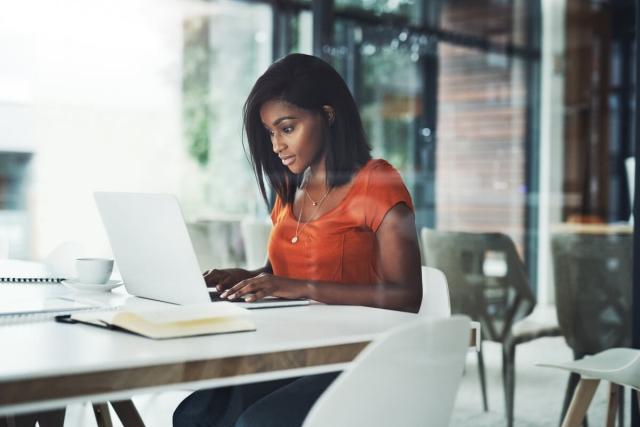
94 270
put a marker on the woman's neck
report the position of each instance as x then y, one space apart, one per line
317 176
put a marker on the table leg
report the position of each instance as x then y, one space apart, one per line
127 413
54 418
101 411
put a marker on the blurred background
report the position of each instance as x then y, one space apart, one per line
504 116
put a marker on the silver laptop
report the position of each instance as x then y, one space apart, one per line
153 250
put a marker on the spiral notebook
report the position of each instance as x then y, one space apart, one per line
13 271
45 309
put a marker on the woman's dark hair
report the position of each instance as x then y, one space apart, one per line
309 83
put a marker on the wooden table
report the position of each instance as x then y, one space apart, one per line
47 365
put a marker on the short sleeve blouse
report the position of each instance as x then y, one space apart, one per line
339 246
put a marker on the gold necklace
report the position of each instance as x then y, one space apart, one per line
313 202
317 204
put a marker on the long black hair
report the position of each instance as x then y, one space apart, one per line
309 83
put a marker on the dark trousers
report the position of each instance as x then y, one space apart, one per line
282 403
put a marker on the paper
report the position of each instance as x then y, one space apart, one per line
57 304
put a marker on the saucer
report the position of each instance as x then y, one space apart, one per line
91 287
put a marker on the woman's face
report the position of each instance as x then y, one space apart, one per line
296 134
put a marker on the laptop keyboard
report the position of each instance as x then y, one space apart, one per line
215 297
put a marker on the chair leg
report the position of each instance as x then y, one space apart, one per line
101 411
127 413
509 380
580 402
621 397
483 379
613 404
572 383
23 420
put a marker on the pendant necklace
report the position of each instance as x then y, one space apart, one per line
317 204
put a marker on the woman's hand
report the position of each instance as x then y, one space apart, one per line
224 279
265 284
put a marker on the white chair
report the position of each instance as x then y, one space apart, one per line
255 235
61 260
435 294
408 376
619 366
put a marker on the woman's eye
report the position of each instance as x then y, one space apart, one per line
288 129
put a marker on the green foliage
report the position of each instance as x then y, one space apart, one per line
197 113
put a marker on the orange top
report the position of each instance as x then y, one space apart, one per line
338 246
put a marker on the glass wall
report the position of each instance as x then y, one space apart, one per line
511 121
154 106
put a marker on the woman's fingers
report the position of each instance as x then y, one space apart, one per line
219 279
213 277
244 287
255 297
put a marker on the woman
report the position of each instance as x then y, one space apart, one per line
343 227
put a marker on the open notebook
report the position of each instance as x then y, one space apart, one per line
171 321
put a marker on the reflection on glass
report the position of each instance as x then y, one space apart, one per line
497 21
225 50
480 177
389 91
410 9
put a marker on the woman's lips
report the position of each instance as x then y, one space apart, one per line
288 160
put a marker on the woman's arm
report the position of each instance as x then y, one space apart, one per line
397 261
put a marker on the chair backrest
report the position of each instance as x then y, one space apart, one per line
255 235
61 260
435 294
406 377
497 300
592 275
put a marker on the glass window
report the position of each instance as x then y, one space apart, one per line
495 21
480 173
126 96
383 67
409 9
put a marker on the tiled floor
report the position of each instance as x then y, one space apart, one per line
539 393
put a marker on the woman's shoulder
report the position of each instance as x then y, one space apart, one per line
377 164
383 189
379 172
373 170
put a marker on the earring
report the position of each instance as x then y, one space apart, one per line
331 117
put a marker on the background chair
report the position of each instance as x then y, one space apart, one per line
502 302
619 366
592 275
435 294
217 242
61 260
423 360
255 235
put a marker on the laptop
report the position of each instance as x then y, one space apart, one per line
154 253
